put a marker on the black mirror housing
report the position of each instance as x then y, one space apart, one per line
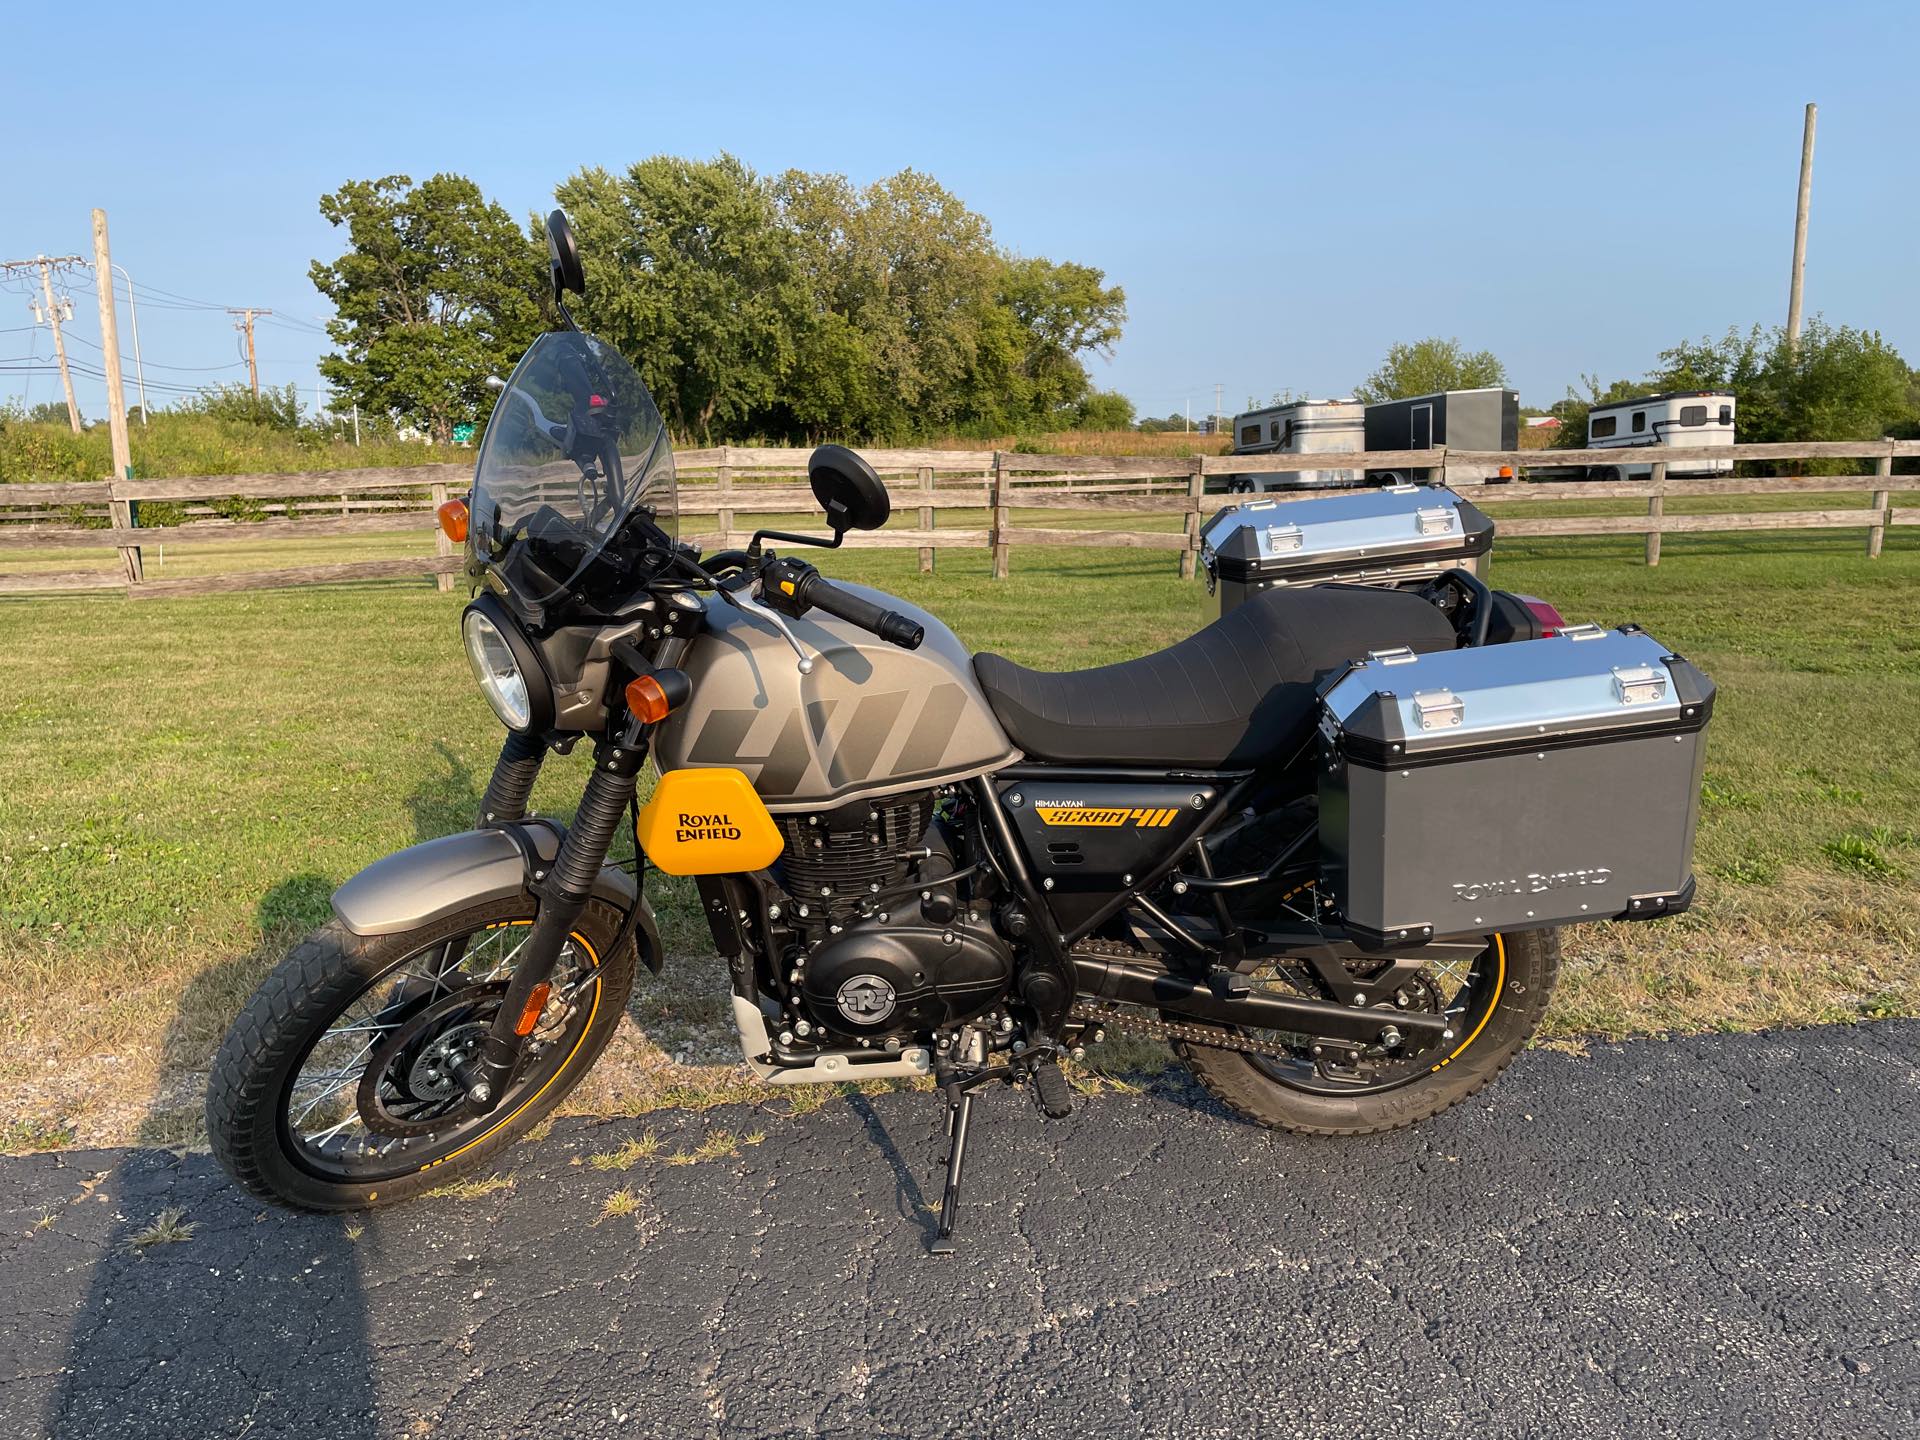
563 257
848 490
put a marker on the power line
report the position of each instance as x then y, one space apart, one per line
155 364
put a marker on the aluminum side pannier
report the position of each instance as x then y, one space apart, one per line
1389 535
1511 787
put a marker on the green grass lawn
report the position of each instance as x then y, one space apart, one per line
187 780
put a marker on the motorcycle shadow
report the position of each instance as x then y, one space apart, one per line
189 1284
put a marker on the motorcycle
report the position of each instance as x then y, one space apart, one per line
923 863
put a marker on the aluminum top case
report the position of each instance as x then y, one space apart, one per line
1511 787
1382 536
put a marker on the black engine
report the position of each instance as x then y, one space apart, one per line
892 945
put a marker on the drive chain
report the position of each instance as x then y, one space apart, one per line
1139 1022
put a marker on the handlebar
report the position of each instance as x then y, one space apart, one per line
816 591
890 625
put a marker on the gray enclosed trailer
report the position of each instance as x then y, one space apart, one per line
1299 427
1487 419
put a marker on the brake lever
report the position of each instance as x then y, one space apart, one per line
751 605
755 604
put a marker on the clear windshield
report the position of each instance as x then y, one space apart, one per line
574 490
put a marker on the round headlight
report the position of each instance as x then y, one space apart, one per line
507 669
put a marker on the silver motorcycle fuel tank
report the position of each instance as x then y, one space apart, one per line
869 718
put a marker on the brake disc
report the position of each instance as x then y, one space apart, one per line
412 1083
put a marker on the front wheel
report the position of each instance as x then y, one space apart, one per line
337 1088
1494 1003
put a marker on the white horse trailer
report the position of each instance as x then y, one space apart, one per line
1300 427
1684 419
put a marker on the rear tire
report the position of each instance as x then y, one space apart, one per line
249 1094
1531 964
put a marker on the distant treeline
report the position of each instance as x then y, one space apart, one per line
792 307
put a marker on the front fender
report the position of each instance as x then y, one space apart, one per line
438 878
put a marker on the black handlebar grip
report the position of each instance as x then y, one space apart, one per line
890 625
897 629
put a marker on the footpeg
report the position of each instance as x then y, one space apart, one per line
1051 1091
1229 984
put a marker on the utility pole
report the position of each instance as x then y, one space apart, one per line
245 322
121 510
1217 388
1800 230
53 317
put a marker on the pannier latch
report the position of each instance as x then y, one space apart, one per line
1438 709
1398 655
1284 537
1434 520
1639 684
1588 631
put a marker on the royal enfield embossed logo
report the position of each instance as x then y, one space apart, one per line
1533 883
865 999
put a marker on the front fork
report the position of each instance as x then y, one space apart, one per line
563 891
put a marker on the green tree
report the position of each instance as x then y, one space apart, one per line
1105 410
1837 384
1066 311
916 322
690 274
1426 367
910 272
438 288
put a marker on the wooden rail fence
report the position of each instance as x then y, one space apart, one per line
732 484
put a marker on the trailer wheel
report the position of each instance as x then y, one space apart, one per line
1604 474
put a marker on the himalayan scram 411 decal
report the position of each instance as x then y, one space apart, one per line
1073 812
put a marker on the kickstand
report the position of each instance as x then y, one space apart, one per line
959 1093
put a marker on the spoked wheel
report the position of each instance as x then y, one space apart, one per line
1493 1001
339 1086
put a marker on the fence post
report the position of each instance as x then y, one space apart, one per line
724 516
998 533
1882 499
926 518
1196 487
1656 507
442 546
120 516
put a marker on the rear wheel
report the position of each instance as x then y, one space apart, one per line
1493 1001
337 1087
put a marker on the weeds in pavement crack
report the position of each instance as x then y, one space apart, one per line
169 1227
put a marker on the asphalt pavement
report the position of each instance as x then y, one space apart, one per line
1705 1237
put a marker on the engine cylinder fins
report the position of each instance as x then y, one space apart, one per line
834 859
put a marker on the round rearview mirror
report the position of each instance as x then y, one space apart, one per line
848 490
563 257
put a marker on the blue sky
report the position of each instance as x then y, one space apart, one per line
1283 191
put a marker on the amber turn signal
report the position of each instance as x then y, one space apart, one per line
453 520
647 699
536 1002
